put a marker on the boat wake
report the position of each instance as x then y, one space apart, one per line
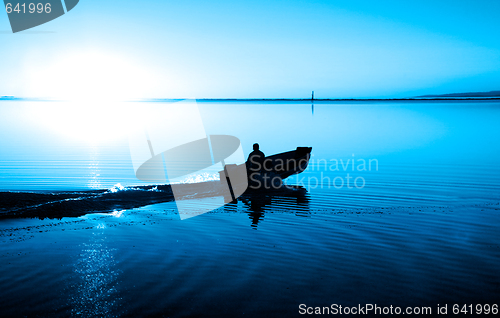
78 203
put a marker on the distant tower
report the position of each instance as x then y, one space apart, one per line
312 102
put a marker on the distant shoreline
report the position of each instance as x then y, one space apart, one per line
325 99
417 99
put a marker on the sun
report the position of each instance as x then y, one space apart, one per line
92 75
88 94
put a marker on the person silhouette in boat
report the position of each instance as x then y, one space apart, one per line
255 162
255 159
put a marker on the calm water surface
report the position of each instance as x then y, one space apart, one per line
417 225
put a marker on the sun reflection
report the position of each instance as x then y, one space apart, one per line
96 291
117 214
92 122
95 171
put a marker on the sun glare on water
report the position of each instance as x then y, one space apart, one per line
85 121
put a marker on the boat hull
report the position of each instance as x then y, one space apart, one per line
271 174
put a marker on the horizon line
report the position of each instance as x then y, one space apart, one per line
418 98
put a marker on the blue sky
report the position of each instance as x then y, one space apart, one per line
254 49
